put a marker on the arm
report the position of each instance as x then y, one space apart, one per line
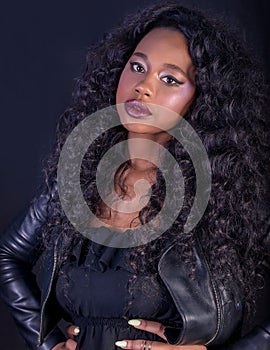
20 247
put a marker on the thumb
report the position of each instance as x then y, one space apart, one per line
73 330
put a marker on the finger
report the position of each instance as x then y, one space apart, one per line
73 330
149 326
138 344
154 345
70 344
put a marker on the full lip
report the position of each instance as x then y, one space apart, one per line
137 109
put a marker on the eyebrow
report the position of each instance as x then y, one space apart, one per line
166 65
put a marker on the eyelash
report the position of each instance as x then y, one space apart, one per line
133 64
176 82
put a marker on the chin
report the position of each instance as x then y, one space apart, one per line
142 129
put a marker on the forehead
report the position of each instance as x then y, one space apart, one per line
165 43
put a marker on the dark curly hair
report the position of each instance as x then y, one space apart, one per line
227 114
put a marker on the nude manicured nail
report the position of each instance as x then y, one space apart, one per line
76 330
134 322
121 343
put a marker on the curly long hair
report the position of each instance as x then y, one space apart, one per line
228 115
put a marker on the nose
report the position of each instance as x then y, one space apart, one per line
145 88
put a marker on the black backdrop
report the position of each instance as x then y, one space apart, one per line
43 44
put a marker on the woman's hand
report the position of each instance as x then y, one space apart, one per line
158 329
70 344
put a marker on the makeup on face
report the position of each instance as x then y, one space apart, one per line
157 79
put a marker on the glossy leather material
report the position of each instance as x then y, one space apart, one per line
257 339
210 314
37 314
249 343
20 247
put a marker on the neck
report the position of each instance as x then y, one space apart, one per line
145 151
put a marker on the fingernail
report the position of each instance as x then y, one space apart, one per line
134 322
121 343
77 330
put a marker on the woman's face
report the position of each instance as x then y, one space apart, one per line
157 83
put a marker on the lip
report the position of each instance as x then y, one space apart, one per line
137 109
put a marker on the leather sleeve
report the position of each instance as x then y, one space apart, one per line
20 248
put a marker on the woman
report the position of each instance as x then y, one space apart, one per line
185 289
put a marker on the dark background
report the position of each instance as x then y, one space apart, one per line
43 45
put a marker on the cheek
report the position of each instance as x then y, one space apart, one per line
179 102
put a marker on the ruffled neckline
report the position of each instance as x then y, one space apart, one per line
99 257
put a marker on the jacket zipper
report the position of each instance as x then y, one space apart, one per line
47 296
215 295
218 312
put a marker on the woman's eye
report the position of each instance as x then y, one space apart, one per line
169 80
137 67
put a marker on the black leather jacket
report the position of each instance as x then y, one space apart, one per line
210 314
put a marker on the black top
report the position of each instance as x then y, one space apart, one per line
92 289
